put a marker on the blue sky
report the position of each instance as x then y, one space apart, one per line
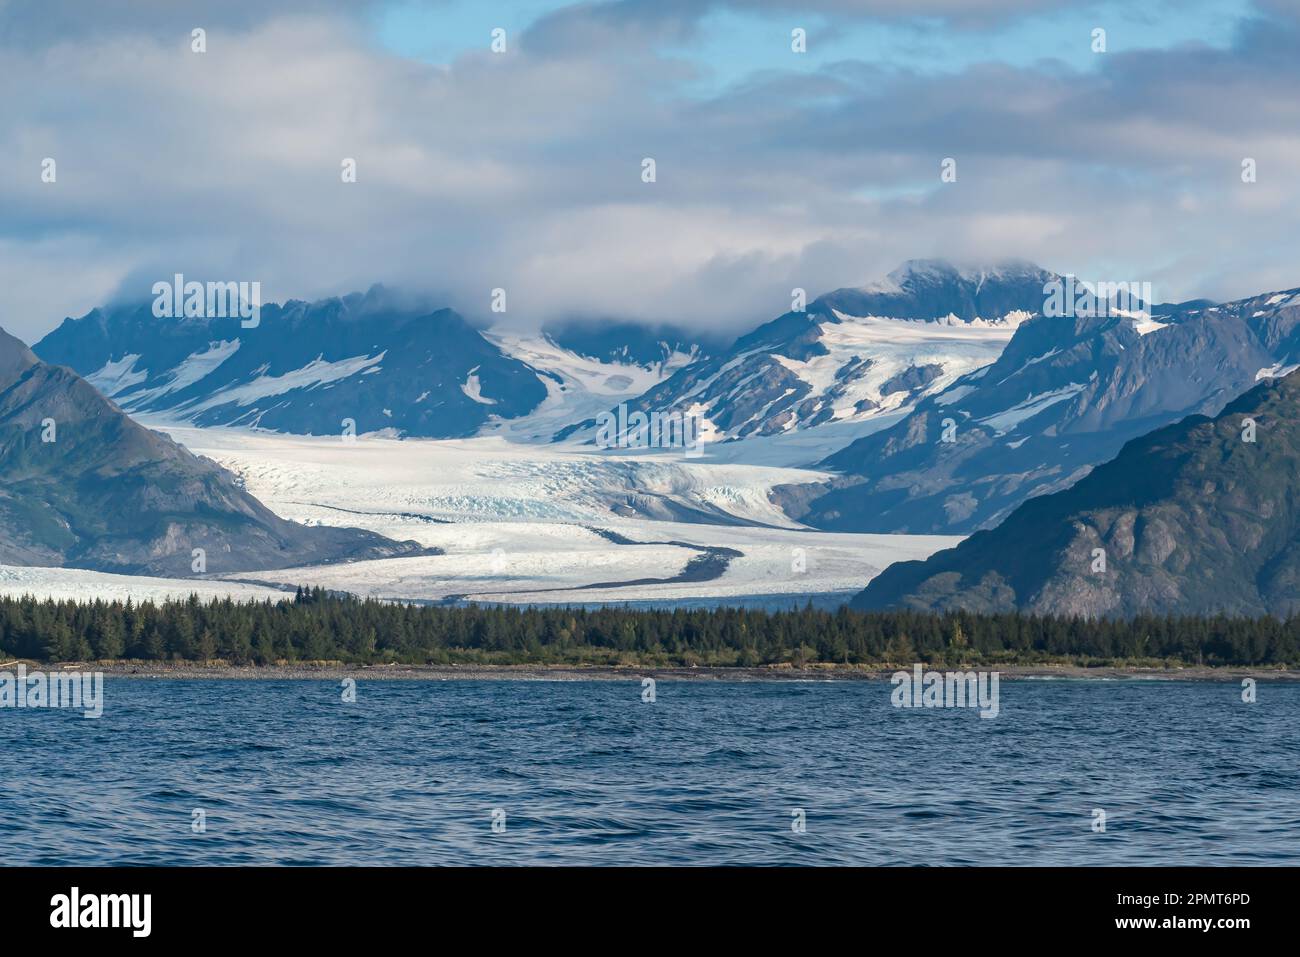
729 45
523 170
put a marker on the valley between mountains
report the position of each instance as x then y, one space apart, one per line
383 448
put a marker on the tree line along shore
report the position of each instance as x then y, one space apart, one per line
315 626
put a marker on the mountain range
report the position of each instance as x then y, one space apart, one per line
1198 517
853 354
83 485
1064 395
367 362
963 401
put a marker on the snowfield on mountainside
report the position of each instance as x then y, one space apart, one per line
548 524
76 584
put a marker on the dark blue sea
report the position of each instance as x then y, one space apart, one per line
712 772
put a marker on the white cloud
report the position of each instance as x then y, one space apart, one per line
523 171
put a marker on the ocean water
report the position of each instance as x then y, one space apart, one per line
584 772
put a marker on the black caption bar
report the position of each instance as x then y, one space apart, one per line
143 907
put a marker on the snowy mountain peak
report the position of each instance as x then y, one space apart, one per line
383 360
857 354
915 272
313 368
935 290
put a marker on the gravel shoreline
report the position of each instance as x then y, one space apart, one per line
327 671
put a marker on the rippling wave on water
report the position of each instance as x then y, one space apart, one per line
286 773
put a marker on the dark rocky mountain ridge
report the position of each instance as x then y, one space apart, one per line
1198 517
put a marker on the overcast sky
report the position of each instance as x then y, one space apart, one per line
523 170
